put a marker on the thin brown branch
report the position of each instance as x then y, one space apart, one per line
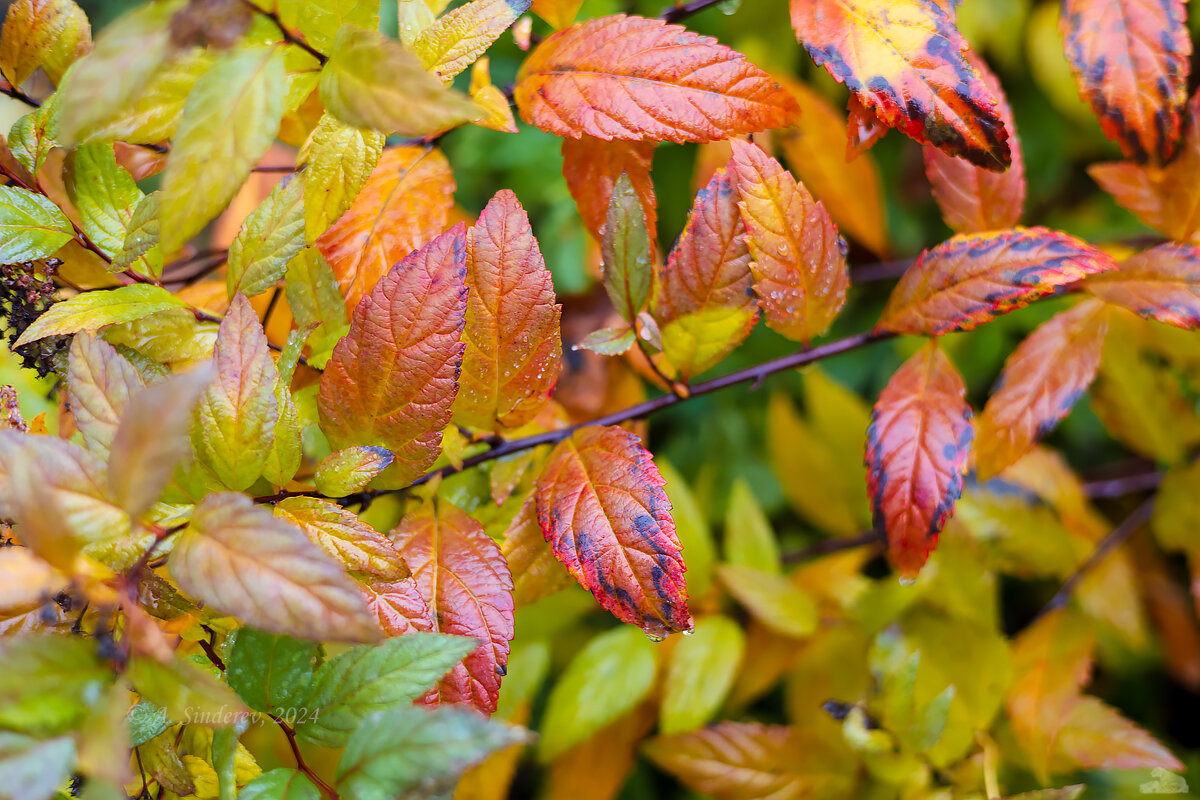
829 546
681 12
287 35
1124 484
290 733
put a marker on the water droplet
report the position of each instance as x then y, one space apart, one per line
655 637
908 581
689 632
843 246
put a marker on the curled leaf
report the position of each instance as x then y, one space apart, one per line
1162 283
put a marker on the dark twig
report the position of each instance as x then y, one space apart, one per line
1124 484
290 733
828 546
17 94
288 36
682 12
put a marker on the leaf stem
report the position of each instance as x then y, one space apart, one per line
829 546
290 733
17 94
288 36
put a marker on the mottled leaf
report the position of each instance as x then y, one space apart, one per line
349 470
591 167
268 240
239 559
1162 283
340 532
917 448
460 36
632 78
31 226
799 269
906 62
466 582
403 205
602 508
93 310
973 199
973 278
1041 380
1130 58
626 251
340 159
392 379
513 345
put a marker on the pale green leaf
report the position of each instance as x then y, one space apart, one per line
50 682
141 239
151 114
184 691
749 538
280 784
695 537
608 341
702 670
340 159
36 768
270 237
31 226
145 721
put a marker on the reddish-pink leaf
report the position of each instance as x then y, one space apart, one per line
392 379
704 304
799 268
513 345
917 448
974 199
465 581
1041 380
633 78
906 62
1130 58
973 278
591 167
602 507
1161 283
398 605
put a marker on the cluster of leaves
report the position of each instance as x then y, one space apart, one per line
320 481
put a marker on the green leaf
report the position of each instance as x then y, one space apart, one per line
371 81
314 298
145 721
34 135
224 755
398 751
749 538
235 420
50 682
280 784
31 227
777 602
607 678
372 678
92 310
349 470
283 459
49 34
230 119
141 239
185 692
35 768
271 672
702 670
105 196
125 58
270 237
695 538
1176 520
100 383
625 250
340 159
608 341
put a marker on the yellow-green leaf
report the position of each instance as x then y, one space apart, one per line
702 669
320 20
141 239
344 536
151 113
340 159
105 196
351 469
455 40
93 310
270 237
777 602
749 539
31 226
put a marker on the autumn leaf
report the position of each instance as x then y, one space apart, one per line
397 605
94 310
403 205
799 268
559 13
49 34
340 159
26 581
917 448
349 470
513 345
972 278
704 302
906 62
632 78
1162 283
460 36
237 558
344 536
591 167
1140 95
30 225
973 199
536 572
99 384
392 379
602 508
466 583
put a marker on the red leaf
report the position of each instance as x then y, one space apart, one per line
973 278
403 205
906 61
464 580
591 167
799 268
1130 58
392 378
632 78
974 199
513 346
398 605
1161 283
917 449
601 506
1041 380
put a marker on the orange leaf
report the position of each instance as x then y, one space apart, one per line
799 265
707 272
340 532
536 573
633 78
404 204
591 167
906 62
597 768
974 199
465 581
1130 58
1041 380
601 506
1161 283
863 128
917 449
973 278
850 190
559 13
513 346
1095 736
392 379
